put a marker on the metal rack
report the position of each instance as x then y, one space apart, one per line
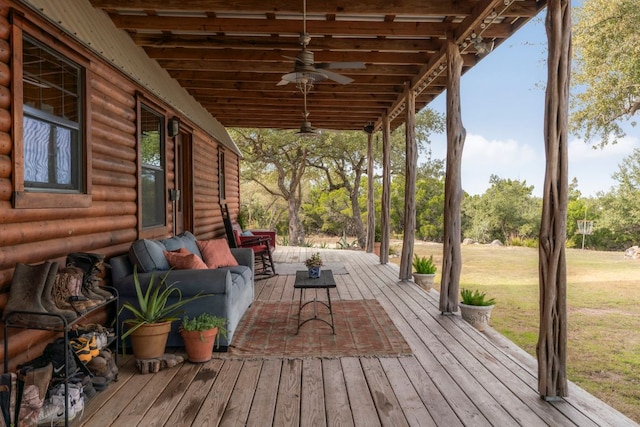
64 328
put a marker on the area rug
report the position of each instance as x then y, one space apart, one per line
290 268
362 327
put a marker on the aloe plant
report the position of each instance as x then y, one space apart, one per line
476 297
153 304
424 265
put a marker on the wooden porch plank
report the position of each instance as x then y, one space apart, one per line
264 402
362 406
288 403
436 404
413 407
215 402
187 409
170 395
312 405
237 411
488 355
384 398
336 398
137 409
343 285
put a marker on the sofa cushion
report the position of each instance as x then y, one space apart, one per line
182 259
184 240
216 253
241 271
148 256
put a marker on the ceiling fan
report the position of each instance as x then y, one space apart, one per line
306 70
305 127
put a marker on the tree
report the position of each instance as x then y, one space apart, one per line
276 160
507 209
606 39
619 209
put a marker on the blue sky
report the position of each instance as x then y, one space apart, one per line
503 113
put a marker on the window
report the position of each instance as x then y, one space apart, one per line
52 120
152 162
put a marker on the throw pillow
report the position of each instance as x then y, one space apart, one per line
182 259
216 253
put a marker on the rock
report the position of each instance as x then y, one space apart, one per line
496 243
633 252
468 241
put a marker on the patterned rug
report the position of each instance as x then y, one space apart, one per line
362 327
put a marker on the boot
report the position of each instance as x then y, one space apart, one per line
8 390
75 287
95 272
27 286
66 280
35 385
47 297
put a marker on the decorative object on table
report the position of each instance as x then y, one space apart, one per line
425 271
476 308
152 316
313 263
200 333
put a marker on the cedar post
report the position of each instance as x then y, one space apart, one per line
552 338
456 134
371 208
385 220
411 160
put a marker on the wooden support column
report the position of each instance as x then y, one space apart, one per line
371 208
456 134
552 338
411 164
385 211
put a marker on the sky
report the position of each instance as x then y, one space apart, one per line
503 114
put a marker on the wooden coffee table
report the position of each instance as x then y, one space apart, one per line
325 281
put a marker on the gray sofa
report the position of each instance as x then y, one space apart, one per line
231 287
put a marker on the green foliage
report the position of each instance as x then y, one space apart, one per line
153 304
475 297
314 260
424 265
606 67
343 243
526 242
506 210
205 322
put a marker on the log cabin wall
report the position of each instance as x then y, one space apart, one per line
107 219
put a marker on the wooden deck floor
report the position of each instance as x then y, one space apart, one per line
456 376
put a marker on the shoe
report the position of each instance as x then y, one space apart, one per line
53 408
84 348
54 354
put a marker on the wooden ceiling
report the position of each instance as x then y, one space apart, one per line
230 55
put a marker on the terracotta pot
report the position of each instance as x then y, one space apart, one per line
199 344
477 315
149 341
424 280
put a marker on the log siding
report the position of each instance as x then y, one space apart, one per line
108 222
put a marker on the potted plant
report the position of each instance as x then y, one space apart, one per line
425 271
476 308
200 334
152 316
313 263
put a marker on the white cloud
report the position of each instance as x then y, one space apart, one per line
579 150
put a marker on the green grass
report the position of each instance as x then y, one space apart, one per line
603 299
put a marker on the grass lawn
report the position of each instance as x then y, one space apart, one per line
603 295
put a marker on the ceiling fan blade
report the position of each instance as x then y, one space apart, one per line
341 65
282 82
338 78
293 58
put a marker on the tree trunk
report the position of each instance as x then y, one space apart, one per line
409 185
456 134
385 220
371 208
552 338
